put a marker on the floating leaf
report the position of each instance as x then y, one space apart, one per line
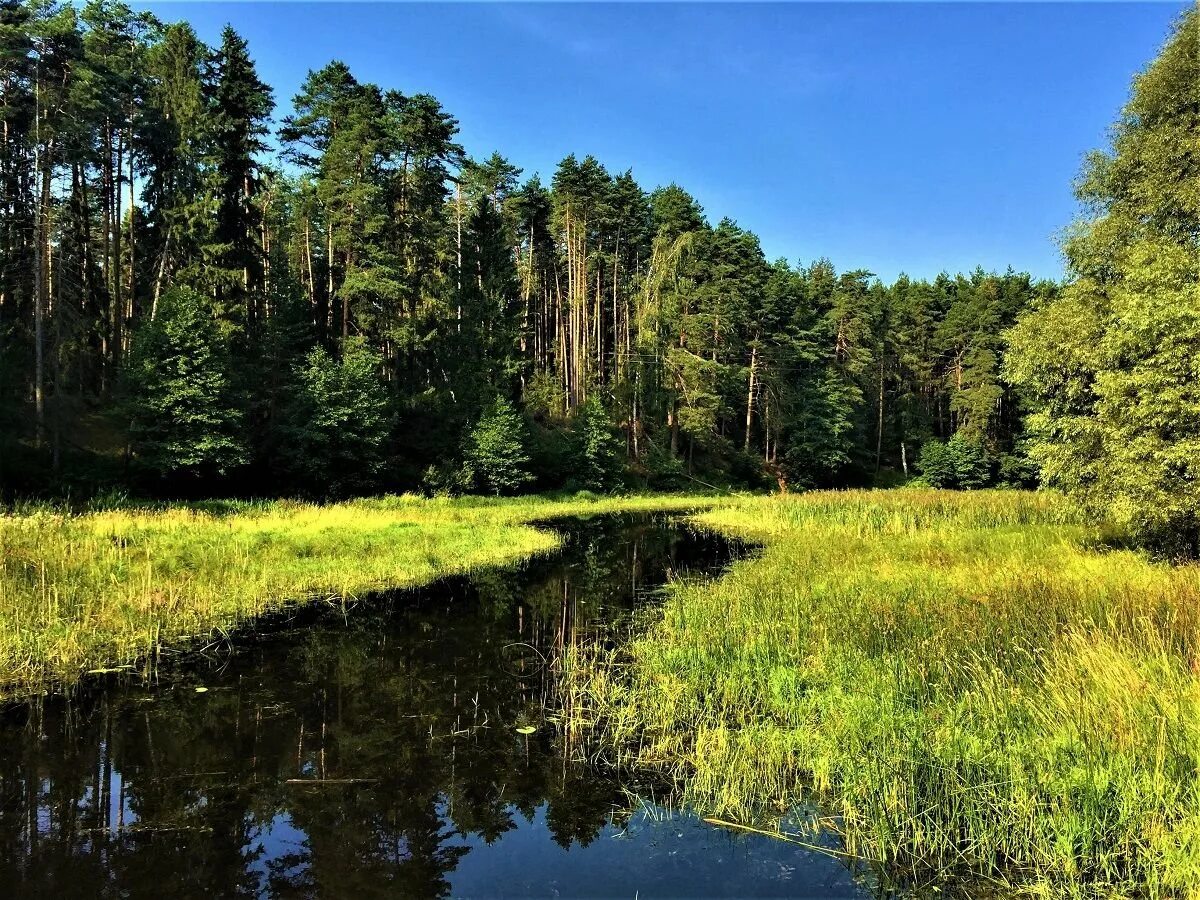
526 729
201 690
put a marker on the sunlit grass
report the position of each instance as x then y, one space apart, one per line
81 591
967 683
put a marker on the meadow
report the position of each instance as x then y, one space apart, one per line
109 588
972 688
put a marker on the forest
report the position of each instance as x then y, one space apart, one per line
252 354
201 297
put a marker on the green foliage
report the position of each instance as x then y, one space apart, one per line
337 424
957 463
184 420
464 281
241 104
665 471
1017 470
598 453
496 459
1111 363
543 397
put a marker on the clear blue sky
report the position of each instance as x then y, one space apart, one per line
898 137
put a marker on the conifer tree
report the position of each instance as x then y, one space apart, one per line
186 422
239 109
496 459
337 423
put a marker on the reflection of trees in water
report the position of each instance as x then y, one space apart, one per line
382 741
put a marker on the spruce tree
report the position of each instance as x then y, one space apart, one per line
240 107
497 461
185 421
335 428
598 454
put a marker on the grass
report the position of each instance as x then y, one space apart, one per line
109 588
969 685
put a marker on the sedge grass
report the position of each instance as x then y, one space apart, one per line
967 684
107 588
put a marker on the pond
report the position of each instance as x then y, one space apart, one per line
404 746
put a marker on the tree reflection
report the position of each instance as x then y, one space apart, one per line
341 755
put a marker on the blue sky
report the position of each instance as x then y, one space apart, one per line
894 137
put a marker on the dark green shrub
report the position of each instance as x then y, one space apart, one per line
185 421
598 451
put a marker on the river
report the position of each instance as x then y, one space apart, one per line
403 746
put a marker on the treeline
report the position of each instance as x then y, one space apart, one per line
196 297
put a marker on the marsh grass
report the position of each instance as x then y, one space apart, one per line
109 587
967 684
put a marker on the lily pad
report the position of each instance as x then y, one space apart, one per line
526 729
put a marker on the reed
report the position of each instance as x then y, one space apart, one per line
970 686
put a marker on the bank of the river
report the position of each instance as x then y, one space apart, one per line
969 682
107 588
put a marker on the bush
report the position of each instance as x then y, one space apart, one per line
443 481
1017 470
186 422
664 470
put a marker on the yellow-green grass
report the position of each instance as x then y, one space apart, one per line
108 588
968 684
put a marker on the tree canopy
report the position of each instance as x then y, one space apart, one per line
374 294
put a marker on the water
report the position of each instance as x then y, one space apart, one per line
404 748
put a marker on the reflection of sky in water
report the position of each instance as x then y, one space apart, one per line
654 856
280 841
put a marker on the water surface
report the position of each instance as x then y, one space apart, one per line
404 747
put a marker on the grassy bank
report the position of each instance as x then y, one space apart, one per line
107 588
966 682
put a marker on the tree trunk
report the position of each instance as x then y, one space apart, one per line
131 304
458 255
673 423
312 285
158 280
41 273
118 302
879 425
750 398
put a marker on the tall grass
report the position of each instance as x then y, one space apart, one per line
105 588
968 683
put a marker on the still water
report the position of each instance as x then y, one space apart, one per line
404 747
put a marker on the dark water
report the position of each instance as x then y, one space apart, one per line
375 752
